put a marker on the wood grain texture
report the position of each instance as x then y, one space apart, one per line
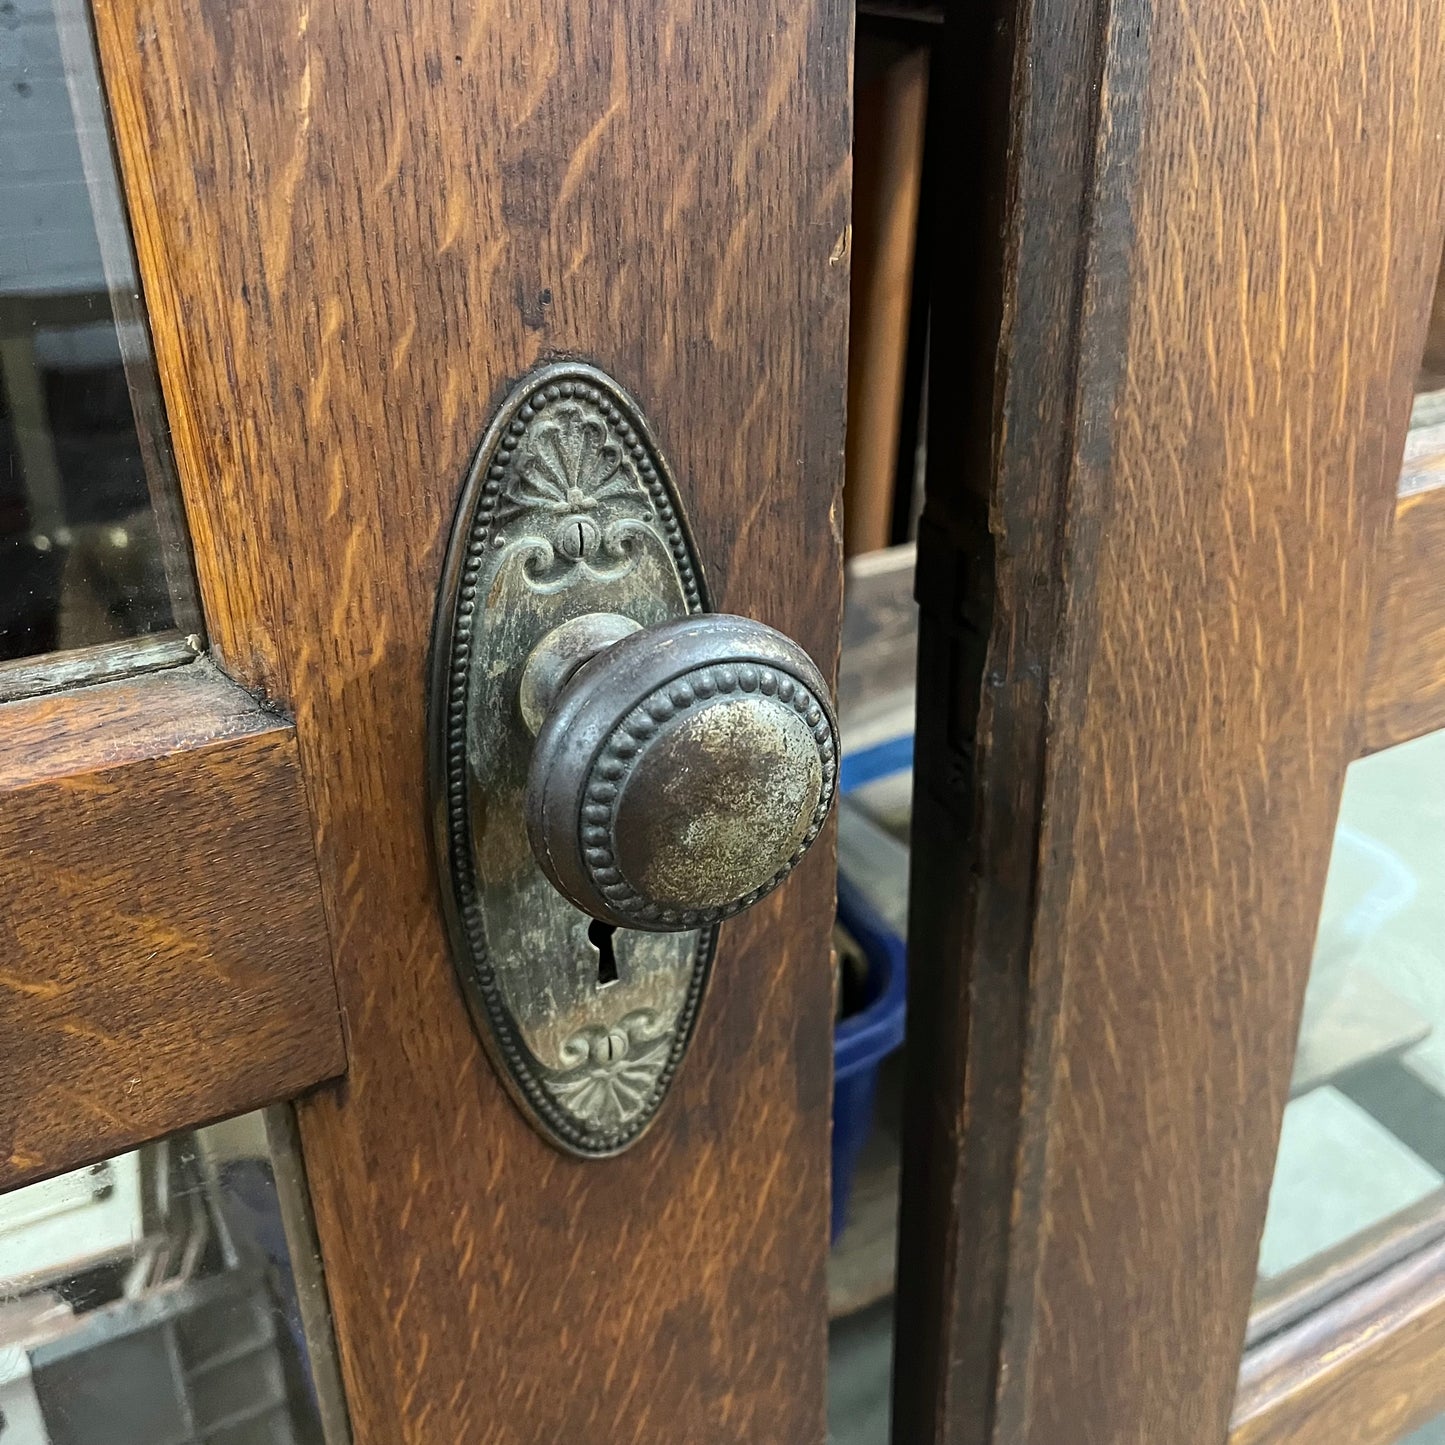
1405 678
1012 147
106 661
357 226
1365 1368
163 950
1146 575
1287 229
131 720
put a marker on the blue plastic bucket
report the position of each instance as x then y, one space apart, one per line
864 1039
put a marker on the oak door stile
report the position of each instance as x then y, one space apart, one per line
1151 552
358 227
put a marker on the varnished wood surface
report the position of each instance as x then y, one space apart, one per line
1405 679
1364 1369
1011 206
163 951
1286 234
1220 229
357 226
127 721
85 666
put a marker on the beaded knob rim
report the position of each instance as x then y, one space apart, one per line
626 744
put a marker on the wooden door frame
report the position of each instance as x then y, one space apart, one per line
1162 467
166 956
358 226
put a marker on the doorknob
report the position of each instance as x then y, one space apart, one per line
680 770
615 768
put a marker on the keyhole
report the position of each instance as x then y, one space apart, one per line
581 541
600 934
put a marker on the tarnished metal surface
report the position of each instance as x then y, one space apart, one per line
568 510
559 654
682 764
682 773
720 804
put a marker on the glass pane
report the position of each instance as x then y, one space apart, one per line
153 1299
1362 1156
92 548
1431 1434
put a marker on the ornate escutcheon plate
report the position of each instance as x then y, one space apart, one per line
568 509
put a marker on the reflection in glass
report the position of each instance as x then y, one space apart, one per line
1363 1146
1431 1434
91 544
152 1300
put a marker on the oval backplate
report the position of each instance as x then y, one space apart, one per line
569 508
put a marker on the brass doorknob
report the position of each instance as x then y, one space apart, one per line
680 771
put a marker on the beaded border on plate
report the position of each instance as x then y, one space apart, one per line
558 382
617 756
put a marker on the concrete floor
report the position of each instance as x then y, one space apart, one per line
860 1351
